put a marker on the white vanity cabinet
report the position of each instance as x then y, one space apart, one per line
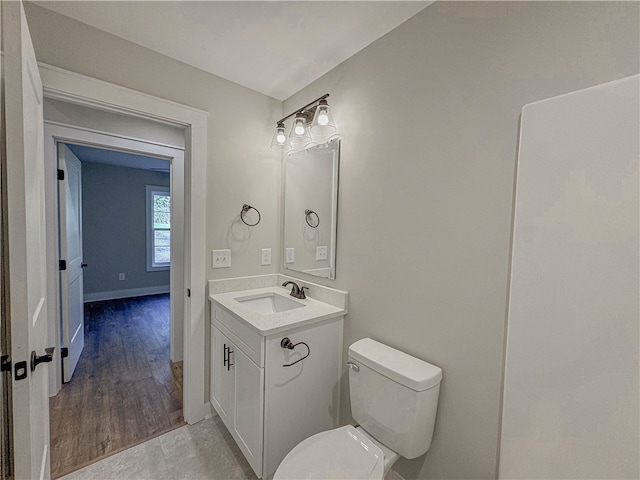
268 407
237 387
237 395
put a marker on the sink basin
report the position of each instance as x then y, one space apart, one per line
268 303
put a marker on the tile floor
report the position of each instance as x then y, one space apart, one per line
205 450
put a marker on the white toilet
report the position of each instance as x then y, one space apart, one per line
394 398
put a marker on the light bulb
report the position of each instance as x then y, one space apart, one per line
299 134
279 139
323 119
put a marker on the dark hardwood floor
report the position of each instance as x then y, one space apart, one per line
125 389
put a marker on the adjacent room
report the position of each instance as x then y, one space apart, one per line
120 386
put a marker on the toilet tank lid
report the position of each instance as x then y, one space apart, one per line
401 367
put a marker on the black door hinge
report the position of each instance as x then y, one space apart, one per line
5 363
60 174
64 352
62 265
20 371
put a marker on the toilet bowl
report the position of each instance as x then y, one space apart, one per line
394 398
343 453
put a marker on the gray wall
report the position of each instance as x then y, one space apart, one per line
430 121
114 227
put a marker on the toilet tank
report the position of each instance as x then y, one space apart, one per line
394 396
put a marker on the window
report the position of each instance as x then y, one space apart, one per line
158 228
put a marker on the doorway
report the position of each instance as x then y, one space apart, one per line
92 93
120 150
133 384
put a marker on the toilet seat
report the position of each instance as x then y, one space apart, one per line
342 453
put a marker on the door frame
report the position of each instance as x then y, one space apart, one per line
56 133
59 84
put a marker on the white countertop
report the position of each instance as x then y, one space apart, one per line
314 311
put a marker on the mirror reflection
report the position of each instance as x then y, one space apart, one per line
310 210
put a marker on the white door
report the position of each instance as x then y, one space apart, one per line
71 286
26 245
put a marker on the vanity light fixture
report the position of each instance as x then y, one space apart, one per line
312 124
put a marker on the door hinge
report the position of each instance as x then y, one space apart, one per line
60 174
20 370
62 265
64 352
5 363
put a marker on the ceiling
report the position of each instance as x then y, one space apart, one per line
120 159
274 47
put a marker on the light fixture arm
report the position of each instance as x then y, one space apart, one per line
300 110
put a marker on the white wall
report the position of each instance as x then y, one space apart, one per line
430 115
571 404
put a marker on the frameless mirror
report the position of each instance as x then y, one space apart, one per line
311 209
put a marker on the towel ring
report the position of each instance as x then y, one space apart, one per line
307 214
245 209
286 343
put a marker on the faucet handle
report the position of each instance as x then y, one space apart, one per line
302 295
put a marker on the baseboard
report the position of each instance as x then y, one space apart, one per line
131 292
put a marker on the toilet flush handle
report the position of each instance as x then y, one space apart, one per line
353 366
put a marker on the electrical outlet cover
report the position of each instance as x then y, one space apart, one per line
321 253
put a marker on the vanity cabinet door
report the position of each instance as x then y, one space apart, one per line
249 409
223 373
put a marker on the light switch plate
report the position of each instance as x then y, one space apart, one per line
321 253
220 258
290 255
266 256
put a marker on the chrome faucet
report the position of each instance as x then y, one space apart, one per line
296 291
